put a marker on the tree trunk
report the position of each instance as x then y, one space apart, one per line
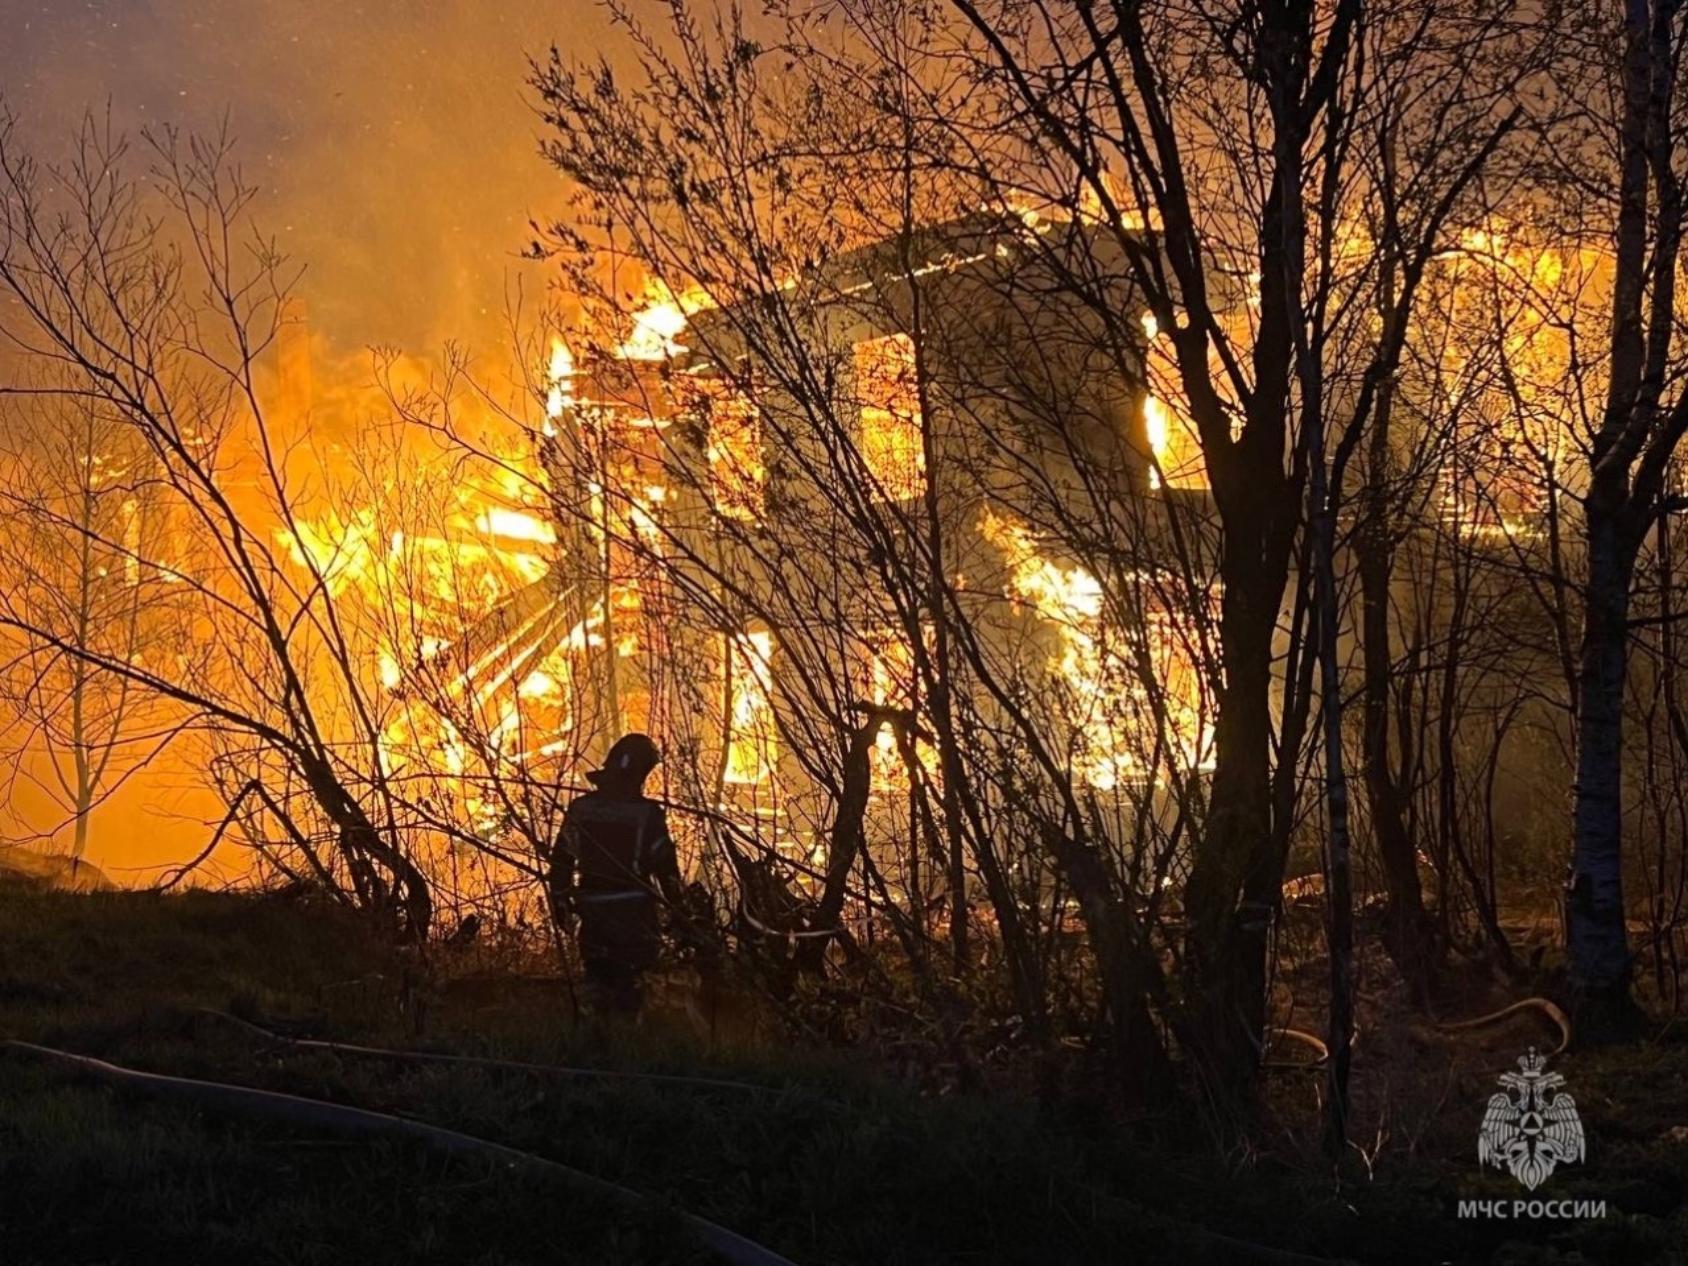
844 844
1339 886
1236 874
1408 935
1598 939
360 844
1120 962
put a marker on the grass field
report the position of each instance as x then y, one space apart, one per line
835 1160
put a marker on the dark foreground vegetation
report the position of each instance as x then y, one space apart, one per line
848 1158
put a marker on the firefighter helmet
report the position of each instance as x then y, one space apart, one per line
630 758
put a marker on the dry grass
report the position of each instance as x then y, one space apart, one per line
842 1163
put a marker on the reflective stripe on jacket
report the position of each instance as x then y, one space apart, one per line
612 847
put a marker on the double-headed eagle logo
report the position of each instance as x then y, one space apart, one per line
1533 1130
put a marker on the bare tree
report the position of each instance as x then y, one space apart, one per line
1150 246
1629 458
1142 100
85 518
154 306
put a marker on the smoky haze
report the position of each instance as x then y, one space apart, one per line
394 148
393 142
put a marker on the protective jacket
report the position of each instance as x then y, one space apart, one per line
612 857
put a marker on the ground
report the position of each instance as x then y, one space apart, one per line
842 1158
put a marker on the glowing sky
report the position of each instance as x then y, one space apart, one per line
394 147
393 141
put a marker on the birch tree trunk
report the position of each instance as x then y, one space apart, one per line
1599 943
1627 464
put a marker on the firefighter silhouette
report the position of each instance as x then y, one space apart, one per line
612 863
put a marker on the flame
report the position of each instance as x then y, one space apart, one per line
516 525
561 368
1131 217
1160 438
467 661
658 324
1529 288
891 682
655 331
538 684
559 373
1116 726
892 441
733 450
752 739
342 552
1170 433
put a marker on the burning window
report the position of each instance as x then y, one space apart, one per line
891 442
889 680
1495 486
1499 463
752 737
1169 432
1133 692
737 476
1506 371
1172 642
559 392
1172 440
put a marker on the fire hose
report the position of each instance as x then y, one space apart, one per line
324 1114
1550 1009
1321 1051
481 1061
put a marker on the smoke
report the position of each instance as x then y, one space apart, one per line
393 142
394 148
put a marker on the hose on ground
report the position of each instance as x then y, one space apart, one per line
323 1114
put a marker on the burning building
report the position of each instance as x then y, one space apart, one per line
910 518
783 519
913 494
